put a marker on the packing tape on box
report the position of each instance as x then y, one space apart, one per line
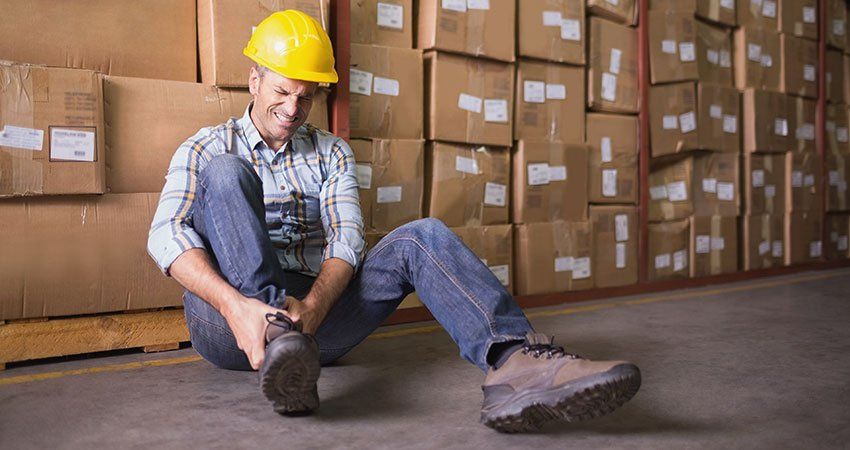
476 22
475 82
766 235
842 169
716 255
22 146
553 108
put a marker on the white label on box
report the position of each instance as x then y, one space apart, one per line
815 249
364 176
769 8
680 260
454 5
728 4
502 273
389 194
780 127
709 185
718 243
605 147
557 173
809 14
483 261
677 191
621 227
495 194
478 4
766 60
609 182
770 191
838 27
466 165
563 264
776 251
668 46
556 91
842 242
21 137
805 132
386 86
658 192
758 178
841 134
688 122
703 243
829 78
687 52
609 87
730 123
796 179
534 91
662 261
538 174
756 3
725 191
715 111
620 251
581 268
809 72
833 236
360 82
469 102
830 125
833 178
613 2
570 30
496 110
670 122
712 56
390 16
754 52
725 58
764 247
552 18
809 180
71 145
616 55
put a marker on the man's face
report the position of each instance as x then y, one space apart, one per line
281 105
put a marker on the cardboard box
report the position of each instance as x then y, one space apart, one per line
467 186
836 25
476 28
845 68
494 246
152 39
766 123
549 102
757 59
225 26
799 62
838 228
802 121
620 11
613 172
51 131
612 81
549 182
764 184
715 185
553 257
146 120
552 30
382 22
682 48
837 135
713 245
835 77
391 176
79 255
803 190
468 100
670 189
759 13
837 173
669 245
689 116
615 238
762 244
803 237
719 11
799 18
386 92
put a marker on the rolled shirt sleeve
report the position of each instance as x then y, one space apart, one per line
340 208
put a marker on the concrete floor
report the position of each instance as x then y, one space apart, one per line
760 364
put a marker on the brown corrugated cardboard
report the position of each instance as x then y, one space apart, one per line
620 11
552 30
835 77
615 245
494 245
51 131
382 22
612 82
714 54
803 237
718 11
713 245
764 184
146 120
79 255
549 182
837 173
468 100
467 185
838 229
391 176
613 171
553 257
803 182
801 119
689 116
799 61
757 59
799 18
759 13
386 92
845 68
715 185
837 135
153 39
766 122
670 189
225 26
549 102
683 48
836 23
668 250
762 241
476 28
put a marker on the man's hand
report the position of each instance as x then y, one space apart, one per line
247 320
302 312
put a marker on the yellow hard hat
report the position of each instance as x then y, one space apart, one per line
294 45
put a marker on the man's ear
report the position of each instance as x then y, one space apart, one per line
254 81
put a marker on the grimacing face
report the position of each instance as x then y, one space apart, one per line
281 104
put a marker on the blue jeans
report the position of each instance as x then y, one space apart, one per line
422 256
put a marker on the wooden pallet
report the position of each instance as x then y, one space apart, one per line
28 339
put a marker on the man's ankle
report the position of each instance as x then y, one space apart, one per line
501 351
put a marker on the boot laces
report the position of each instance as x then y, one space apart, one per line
278 319
538 346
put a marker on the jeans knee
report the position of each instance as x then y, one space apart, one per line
428 226
226 173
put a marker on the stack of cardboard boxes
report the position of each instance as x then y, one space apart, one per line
837 157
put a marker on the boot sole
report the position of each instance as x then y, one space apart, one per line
289 381
585 398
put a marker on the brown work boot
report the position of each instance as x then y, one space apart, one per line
541 383
290 370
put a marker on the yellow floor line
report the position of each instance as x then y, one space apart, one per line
432 328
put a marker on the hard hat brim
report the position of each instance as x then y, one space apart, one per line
294 73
